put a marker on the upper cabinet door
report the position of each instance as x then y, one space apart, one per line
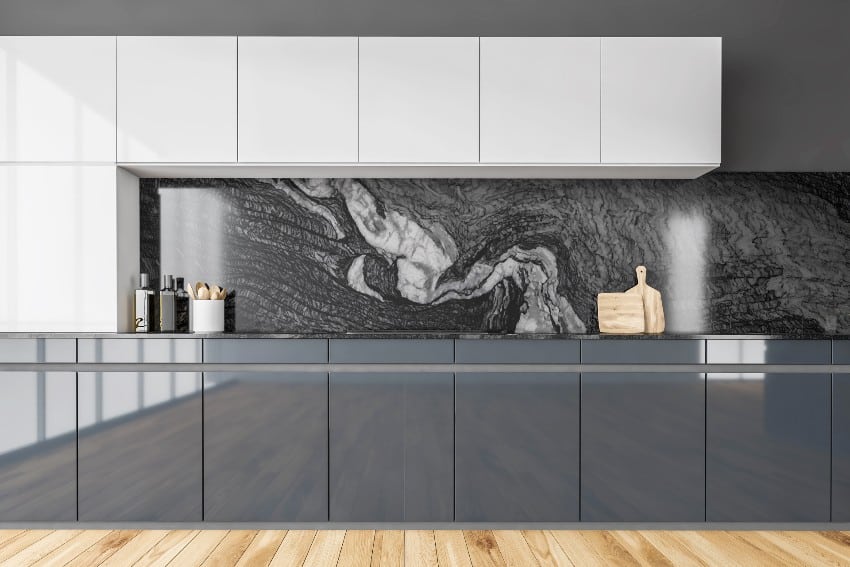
176 99
419 99
661 99
298 99
57 99
540 99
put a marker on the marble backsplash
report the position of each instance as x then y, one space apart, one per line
730 252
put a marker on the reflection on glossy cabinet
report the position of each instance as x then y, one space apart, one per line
768 448
265 447
661 99
540 99
140 446
176 99
643 447
391 447
298 99
418 99
517 454
38 447
58 99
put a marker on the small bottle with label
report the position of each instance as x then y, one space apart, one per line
166 305
143 306
181 308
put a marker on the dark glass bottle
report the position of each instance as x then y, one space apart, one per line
181 308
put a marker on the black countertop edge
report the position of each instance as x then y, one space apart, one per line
418 335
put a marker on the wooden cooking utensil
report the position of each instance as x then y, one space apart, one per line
653 309
620 313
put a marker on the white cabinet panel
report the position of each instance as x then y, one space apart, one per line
57 99
298 99
58 248
176 99
419 99
540 99
661 100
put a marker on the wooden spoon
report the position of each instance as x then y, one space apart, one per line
203 293
191 291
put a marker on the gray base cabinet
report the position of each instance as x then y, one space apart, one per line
643 447
517 456
140 447
391 447
768 448
841 448
38 447
265 447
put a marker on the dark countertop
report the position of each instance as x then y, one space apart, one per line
420 335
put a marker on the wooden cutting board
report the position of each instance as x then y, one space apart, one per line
620 313
653 310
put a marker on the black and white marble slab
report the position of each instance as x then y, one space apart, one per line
732 253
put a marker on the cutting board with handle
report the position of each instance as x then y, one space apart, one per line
638 310
653 310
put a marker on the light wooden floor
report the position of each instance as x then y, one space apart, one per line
429 548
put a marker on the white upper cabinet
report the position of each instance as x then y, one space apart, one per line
59 230
177 99
57 99
661 100
419 99
540 100
298 99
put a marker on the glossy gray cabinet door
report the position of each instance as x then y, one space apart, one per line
400 351
768 447
643 351
140 445
266 351
391 447
38 446
265 447
841 447
517 454
642 447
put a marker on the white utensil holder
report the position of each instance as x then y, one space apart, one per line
207 316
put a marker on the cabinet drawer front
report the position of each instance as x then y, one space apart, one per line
400 351
38 350
510 351
757 351
643 351
841 352
152 350
269 351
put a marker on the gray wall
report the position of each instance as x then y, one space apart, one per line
786 94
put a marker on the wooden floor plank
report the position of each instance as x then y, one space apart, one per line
134 549
578 549
230 549
167 548
514 548
22 542
679 553
641 549
483 549
262 549
721 548
293 550
829 552
836 541
357 548
798 549
546 549
8 535
451 549
103 549
40 548
71 549
388 549
202 545
420 548
325 549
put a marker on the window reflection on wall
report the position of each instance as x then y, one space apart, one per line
686 241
